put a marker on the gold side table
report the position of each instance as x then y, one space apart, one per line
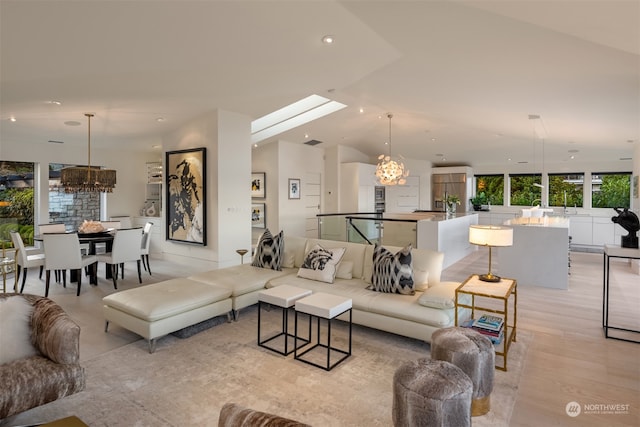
8 265
482 293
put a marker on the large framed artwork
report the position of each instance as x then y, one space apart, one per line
258 215
186 212
258 185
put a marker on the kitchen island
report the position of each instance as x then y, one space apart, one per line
540 252
431 230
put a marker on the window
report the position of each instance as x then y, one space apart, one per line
493 188
526 189
610 190
16 200
566 190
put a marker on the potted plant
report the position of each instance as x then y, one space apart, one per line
451 202
479 200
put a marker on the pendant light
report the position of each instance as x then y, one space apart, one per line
389 171
85 179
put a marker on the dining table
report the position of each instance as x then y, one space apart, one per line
91 239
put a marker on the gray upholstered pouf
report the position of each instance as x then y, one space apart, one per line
430 392
475 355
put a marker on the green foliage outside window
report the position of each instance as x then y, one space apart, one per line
16 201
493 188
566 190
611 190
523 190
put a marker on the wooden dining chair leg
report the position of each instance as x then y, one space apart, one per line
114 270
139 272
64 278
41 269
79 281
146 257
46 288
24 277
122 269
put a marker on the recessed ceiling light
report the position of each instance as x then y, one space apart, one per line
72 123
160 119
55 102
306 135
433 139
361 110
156 146
13 119
572 157
328 39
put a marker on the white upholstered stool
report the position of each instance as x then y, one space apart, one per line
323 306
283 296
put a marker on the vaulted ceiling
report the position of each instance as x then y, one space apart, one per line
460 77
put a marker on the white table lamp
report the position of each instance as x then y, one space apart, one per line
490 235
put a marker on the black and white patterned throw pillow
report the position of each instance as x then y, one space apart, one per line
269 251
321 264
392 273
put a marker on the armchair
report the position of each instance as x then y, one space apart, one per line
52 374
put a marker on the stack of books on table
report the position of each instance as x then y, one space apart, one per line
490 326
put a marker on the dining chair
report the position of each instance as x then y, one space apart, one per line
57 227
125 220
112 224
62 252
25 259
101 248
146 244
126 247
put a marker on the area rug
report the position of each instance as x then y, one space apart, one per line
186 381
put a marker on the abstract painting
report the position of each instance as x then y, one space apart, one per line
186 196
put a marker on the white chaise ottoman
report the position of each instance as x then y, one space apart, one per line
156 310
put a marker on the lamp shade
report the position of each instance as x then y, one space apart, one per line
490 235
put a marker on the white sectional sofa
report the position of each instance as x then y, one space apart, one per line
416 316
400 314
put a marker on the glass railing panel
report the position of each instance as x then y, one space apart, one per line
361 230
332 227
399 233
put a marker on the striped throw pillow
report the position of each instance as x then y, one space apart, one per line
392 273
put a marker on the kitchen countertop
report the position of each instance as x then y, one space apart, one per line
545 221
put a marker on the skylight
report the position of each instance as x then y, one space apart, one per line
300 112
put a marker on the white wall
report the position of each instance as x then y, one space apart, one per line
280 161
296 161
227 139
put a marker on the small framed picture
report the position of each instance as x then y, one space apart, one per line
258 185
258 215
294 188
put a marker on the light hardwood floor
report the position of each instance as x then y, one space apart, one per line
569 358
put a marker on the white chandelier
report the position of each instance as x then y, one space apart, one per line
389 171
